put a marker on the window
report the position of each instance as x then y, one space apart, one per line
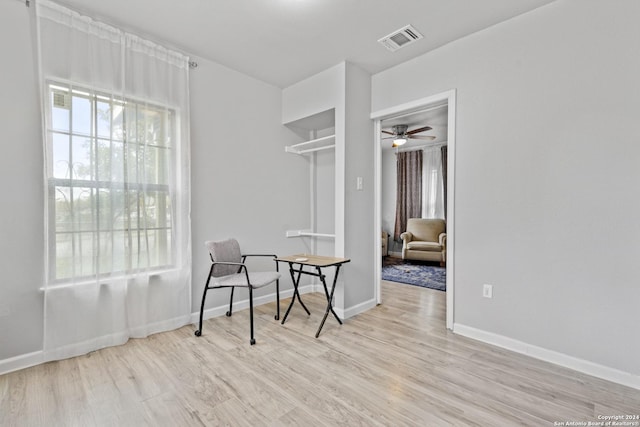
108 172
433 183
432 193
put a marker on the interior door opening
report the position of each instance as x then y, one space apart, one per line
426 124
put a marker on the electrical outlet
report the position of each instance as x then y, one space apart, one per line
487 291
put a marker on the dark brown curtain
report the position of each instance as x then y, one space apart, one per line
409 192
443 151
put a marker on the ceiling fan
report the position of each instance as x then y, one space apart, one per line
400 134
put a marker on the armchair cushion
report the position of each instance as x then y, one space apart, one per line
424 246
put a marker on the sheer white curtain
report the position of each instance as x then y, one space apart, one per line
116 140
433 183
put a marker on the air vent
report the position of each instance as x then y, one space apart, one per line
400 38
61 99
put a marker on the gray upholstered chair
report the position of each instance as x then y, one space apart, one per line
425 240
229 270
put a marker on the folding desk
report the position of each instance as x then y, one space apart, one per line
317 262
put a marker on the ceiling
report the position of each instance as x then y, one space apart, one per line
282 42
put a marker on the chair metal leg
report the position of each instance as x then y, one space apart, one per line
277 290
252 341
230 312
198 332
277 299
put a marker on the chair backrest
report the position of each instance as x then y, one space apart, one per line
224 251
426 229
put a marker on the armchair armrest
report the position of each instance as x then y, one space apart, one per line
271 255
407 236
241 266
274 256
443 240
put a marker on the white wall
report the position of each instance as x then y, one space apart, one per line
547 197
360 239
315 94
244 185
324 203
21 166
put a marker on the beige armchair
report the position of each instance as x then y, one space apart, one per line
425 240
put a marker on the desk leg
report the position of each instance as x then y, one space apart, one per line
296 282
329 297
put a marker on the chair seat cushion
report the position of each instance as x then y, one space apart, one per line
424 246
257 279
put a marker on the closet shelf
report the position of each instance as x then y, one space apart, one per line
307 233
317 144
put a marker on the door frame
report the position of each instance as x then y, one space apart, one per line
445 98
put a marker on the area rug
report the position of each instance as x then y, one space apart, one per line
414 273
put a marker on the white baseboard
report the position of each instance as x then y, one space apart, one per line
561 359
356 309
20 362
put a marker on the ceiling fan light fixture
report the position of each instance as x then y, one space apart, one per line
399 141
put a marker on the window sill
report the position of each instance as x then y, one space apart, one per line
106 281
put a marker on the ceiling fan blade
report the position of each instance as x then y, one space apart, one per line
387 132
423 129
425 137
389 137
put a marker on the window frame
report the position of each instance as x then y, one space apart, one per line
169 123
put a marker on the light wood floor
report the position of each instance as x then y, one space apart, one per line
395 365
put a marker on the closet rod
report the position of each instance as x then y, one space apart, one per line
311 150
304 233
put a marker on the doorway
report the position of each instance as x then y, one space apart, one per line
403 112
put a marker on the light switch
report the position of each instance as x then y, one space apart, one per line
359 183
487 291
